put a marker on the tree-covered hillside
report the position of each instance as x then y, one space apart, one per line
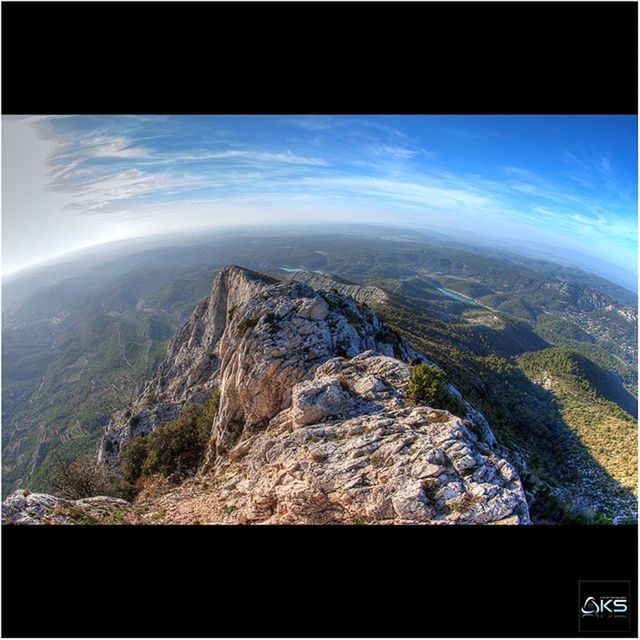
593 406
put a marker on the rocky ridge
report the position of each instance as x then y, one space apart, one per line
254 338
361 293
352 448
24 507
314 423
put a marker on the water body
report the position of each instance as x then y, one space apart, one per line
296 270
458 296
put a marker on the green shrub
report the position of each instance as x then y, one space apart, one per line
179 445
602 518
428 385
174 447
229 509
376 460
132 457
247 323
430 488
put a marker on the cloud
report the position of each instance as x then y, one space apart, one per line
133 166
103 172
249 156
113 147
100 193
435 195
394 151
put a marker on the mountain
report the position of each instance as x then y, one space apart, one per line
315 420
73 352
364 294
491 362
84 338
245 302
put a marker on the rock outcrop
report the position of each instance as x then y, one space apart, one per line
254 338
23 507
361 293
314 423
351 447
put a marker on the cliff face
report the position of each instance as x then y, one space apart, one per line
314 423
254 338
190 368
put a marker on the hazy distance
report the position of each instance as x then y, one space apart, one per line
561 188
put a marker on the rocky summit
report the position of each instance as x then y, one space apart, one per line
350 448
364 294
314 423
253 338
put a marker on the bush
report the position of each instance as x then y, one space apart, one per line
132 457
174 447
247 323
178 446
80 478
428 385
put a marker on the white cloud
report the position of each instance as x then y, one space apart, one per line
113 147
249 156
145 167
394 151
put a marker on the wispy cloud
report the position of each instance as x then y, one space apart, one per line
394 151
101 171
135 166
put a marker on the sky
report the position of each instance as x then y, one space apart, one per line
565 183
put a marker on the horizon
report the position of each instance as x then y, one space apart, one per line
565 183
157 241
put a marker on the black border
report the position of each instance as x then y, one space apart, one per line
319 57
309 581
473 58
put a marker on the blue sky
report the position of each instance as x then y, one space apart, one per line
566 182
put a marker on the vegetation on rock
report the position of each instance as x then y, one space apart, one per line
176 447
428 385
74 349
245 324
607 431
81 478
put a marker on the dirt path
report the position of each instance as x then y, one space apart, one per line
193 502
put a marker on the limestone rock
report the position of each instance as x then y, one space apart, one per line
346 452
314 424
254 338
362 293
23 507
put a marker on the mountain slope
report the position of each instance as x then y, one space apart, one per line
80 337
565 479
587 400
351 449
244 307
70 360
315 422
